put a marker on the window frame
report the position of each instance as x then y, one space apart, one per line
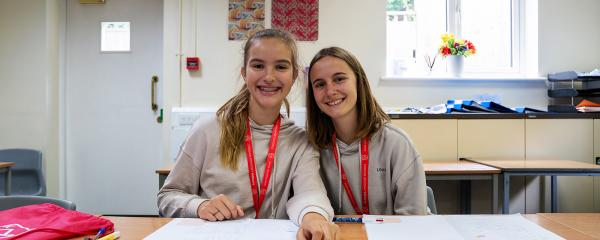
518 56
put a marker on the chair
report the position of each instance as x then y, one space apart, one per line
27 177
8 202
431 200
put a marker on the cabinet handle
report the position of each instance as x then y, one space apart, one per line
153 104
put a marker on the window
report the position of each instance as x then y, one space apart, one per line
414 29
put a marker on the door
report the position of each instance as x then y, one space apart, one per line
113 139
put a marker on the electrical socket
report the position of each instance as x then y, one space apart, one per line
187 118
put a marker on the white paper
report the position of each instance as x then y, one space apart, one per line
193 228
488 227
412 227
513 227
115 37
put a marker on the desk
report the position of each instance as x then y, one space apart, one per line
464 171
569 226
552 168
162 175
140 227
5 168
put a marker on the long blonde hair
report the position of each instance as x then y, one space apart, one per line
233 114
371 117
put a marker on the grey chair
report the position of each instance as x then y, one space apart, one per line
27 177
8 202
431 200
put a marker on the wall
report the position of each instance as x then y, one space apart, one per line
29 80
221 59
569 35
360 28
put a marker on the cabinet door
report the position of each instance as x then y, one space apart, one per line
563 139
435 140
493 139
596 155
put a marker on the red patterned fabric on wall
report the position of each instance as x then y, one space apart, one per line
299 17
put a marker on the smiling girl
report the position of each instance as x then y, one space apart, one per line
368 166
246 161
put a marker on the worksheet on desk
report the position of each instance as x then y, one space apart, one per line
193 228
489 227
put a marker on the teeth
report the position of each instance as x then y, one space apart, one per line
336 102
269 89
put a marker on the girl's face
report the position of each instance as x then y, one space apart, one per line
334 88
268 73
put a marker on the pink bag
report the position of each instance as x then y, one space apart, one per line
48 221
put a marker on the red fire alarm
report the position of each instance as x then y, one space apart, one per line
192 63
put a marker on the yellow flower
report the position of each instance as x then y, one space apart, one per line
447 36
461 42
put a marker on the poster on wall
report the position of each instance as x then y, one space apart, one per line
299 17
245 18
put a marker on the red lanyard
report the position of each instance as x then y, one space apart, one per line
268 166
364 162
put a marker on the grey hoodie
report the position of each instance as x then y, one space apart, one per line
396 175
295 188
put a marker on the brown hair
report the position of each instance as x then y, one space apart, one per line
233 114
371 117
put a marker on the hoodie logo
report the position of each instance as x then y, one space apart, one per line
380 170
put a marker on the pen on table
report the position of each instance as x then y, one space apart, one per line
100 232
111 236
347 219
384 220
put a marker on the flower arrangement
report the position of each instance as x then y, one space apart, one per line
457 47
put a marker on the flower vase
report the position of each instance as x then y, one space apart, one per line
456 65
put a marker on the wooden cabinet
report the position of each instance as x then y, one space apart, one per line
435 139
561 139
493 139
512 139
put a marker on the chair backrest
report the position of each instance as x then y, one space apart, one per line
27 177
8 202
431 200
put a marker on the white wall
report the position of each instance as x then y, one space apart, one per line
349 24
360 28
569 35
29 80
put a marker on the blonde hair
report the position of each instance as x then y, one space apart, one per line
371 117
233 114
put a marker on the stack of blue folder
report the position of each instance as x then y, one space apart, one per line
470 106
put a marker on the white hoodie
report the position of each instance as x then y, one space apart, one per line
295 188
396 175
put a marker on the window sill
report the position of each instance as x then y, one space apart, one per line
466 77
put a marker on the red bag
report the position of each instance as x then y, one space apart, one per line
48 221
